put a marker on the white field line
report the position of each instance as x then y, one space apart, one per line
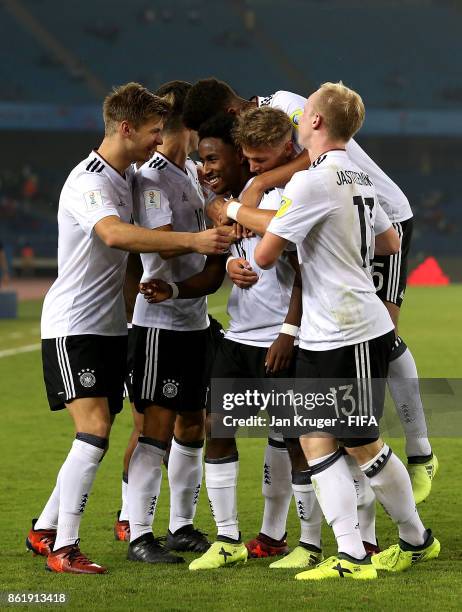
20 349
35 347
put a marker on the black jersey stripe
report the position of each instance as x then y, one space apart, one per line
94 162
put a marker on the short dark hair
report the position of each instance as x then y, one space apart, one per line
219 126
174 92
205 99
131 102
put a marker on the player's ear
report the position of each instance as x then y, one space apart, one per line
316 121
125 128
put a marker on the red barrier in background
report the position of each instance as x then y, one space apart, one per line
428 274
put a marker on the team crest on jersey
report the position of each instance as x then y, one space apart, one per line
170 388
93 200
152 199
286 203
87 378
295 117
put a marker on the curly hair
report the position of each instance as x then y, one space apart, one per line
205 99
219 126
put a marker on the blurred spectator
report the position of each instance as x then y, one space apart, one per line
27 260
147 15
4 275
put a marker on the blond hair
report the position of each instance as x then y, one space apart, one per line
262 127
341 108
134 103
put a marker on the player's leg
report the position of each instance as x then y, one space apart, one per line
85 374
277 493
151 390
185 481
390 277
122 524
330 475
387 475
222 469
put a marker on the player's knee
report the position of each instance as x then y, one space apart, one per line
363 453
296 454
217 448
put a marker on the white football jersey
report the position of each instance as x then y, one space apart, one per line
86 298
165 194
391 198
332 214
257 313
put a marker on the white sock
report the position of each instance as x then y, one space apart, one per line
276 490
144 479
403 382
335 490
392 486
124 510
366 502
185 479
308 510
75 481
221 482
49 516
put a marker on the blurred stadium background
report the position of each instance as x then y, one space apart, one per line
59 60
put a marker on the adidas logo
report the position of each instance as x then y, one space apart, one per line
211 508
196 494
152 506
267 474
300 510
83 502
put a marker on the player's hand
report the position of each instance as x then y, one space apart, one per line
156 290
214 208
280 354
241 273
214 241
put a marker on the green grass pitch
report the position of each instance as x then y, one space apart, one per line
34 443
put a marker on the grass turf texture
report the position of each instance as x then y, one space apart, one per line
34 443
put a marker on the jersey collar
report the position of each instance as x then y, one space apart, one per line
110 169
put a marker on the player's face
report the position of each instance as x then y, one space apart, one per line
147 138
262 159
305 126
222 164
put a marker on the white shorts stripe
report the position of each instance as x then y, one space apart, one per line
66 359
147 364
156 354
62 367
358 378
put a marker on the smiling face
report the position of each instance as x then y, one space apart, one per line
262 159
222 165
145 139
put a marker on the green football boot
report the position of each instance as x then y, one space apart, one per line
220 554
341 566
298 558
400 557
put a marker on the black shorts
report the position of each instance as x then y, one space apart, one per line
170 368
236 360
390 271
128 384
84 366
358 373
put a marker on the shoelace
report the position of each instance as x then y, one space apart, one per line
390 556
74 554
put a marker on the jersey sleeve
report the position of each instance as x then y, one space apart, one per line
152 204
95 199
304 204
382 222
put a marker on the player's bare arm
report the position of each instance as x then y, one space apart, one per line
387 243
132 279
205 282
277 177
269 250
116 234
253 219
